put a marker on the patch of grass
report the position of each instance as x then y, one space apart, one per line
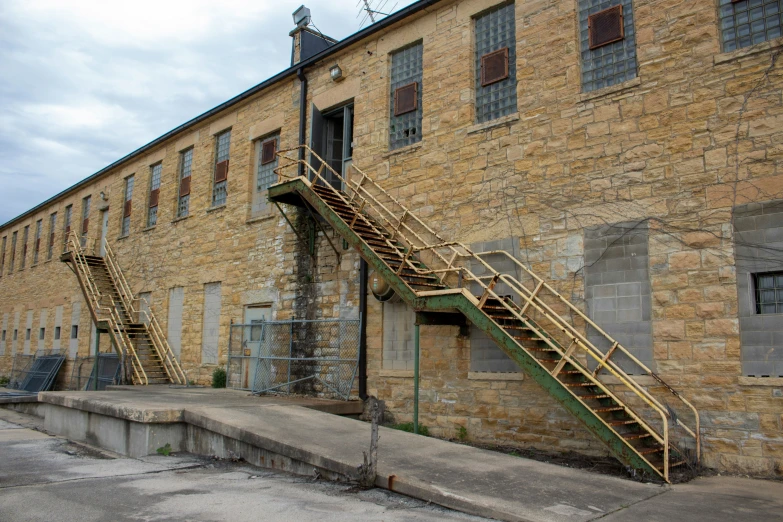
4 381
164 450
408 426
462 433
219 378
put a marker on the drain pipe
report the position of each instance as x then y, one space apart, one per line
363 330
302 116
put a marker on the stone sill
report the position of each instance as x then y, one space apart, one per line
496 376
259 219
643 380
126 236
149 228
761 381
505 120
401 374
403 150
182 218
747 51
215 209
612 89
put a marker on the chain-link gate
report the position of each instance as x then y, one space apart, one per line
318 357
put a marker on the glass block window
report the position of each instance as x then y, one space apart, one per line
406 78
496 30
52 225
152 210
614 62
266 167
220 186
769 293
25 238
185 165
127 207
37 244
749 22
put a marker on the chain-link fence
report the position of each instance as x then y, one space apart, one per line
85 369
19 368
318 358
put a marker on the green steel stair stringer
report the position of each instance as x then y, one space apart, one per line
289 192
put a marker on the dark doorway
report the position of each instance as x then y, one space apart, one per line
332 140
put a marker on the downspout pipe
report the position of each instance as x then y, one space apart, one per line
302 116
363 330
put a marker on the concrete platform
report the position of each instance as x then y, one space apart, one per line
304 435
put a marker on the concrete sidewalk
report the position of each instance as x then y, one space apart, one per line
471 480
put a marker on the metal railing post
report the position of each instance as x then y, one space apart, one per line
416 379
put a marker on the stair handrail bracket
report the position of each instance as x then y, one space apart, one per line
423 252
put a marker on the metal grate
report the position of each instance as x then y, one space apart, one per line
185 165
769 293
406 69
318 358
495 30
33 374
749 22
220 188
613 62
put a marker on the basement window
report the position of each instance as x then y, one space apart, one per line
16 334
56 333
74 331
406 96
3 335
496 63
27 334
42 334
748 22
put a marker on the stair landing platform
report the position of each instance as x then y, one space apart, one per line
312 436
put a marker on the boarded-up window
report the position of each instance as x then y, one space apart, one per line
211 324
185 165
496 78
406 96
152 210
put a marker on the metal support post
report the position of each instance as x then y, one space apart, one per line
416 379
97 351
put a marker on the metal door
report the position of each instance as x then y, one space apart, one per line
252 338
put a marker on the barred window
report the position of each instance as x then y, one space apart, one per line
220 186
185 165
769 293
37 244
67 226
25 237
406 96
496 95
152 211
127 207
748 22
52 225
608 50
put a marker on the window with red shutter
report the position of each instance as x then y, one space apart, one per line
221 171
268 149
184 187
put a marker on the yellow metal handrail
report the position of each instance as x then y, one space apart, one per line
401 223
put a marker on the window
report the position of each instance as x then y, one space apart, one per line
67 226
25 237
220 188
37 244
769 292
185 164
3 338
2 256
13 252
85 218
266 159
52 225
406 94
74 331
496 71
608 42
127 207
152 211
748 22
56 333
27 334
42 333
16 334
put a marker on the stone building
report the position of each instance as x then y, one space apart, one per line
629 152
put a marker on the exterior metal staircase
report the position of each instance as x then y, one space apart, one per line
135 333
544 333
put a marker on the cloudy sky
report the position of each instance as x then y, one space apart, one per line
85 82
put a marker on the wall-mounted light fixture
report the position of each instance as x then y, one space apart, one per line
103 196
336 73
